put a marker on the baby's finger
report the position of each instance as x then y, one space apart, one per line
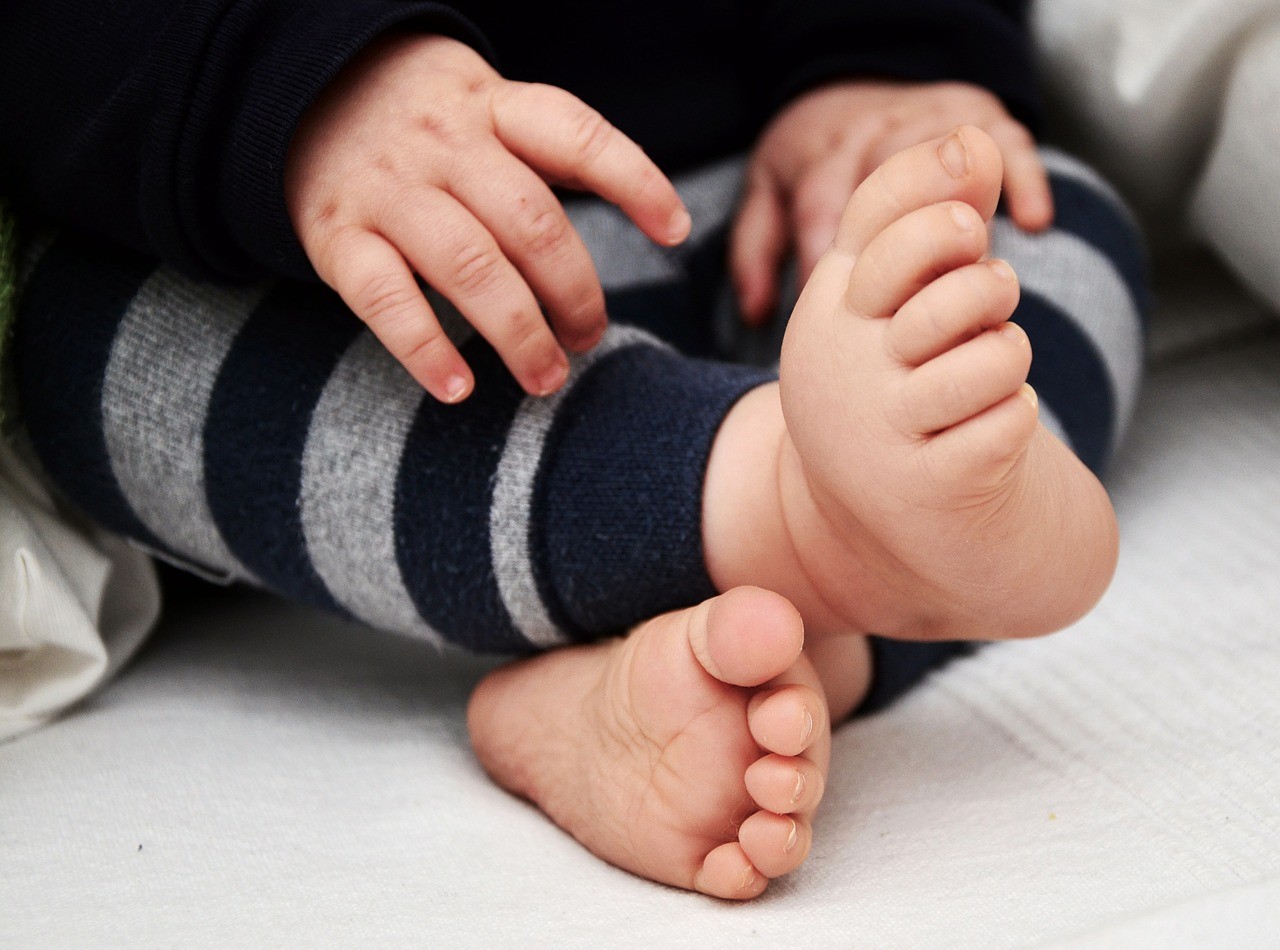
459 258
818 205
1026 183
375 282
756 246
534 232
567 140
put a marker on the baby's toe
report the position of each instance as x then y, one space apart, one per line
913 252
728 873
746 636
954 308
775 844
963 166
785 784
965 381
787 720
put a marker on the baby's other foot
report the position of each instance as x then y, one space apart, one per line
693 752
923 496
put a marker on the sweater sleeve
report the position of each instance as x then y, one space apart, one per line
164 126
798 45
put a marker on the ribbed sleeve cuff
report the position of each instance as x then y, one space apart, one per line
618 534
295 50
929 42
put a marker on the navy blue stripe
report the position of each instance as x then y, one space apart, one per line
1093 217
256 431
444 491
620 488
1069 375
664 310
68 317
898 665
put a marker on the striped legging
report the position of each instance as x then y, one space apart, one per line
262 434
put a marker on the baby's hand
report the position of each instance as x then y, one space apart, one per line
819 149
419 158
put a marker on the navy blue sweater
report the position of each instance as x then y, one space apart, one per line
163 125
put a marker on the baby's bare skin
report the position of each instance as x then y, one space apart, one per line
895 481
898 478
694 752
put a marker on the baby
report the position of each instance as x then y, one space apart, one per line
895 479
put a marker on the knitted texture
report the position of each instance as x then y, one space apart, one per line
262 434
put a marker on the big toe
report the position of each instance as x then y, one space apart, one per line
746 636
964 165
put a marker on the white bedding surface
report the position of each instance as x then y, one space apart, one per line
267 776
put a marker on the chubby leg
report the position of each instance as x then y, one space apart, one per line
910 488
693 752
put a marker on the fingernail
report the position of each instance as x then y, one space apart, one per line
553 379
455 388
808 725
1029 394
679 226
955 157
793 837
748 878
1002 269
588 339
964 217
800 783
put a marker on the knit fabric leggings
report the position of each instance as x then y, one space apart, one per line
261 434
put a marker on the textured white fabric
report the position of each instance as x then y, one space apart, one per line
75 602
265 776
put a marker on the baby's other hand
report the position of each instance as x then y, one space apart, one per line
819 148
420 159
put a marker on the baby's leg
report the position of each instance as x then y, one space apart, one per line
264 435
914 491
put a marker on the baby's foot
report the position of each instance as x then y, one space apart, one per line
693 752
917 489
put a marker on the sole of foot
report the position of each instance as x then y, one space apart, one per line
692 752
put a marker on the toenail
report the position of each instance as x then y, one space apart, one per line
748 878
1011 331
1030 395
795 796
964 216
808 725
1002 269
793 837
955 157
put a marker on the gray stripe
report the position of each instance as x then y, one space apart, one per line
350 465
1061 165
625 258
509 515
160 376
1081 282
